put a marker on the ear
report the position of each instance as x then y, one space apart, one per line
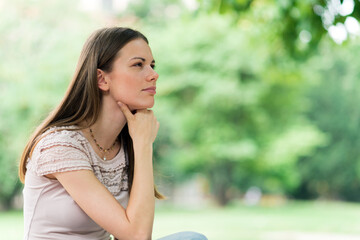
101 80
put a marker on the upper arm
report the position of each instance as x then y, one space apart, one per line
62 155
96 201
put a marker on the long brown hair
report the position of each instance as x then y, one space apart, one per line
82 100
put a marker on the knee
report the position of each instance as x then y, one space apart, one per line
195 236
185 236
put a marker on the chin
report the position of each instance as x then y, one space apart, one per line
141 106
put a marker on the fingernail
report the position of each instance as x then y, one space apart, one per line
120 103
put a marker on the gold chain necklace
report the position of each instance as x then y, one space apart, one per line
105 151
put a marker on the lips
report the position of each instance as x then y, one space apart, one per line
150 90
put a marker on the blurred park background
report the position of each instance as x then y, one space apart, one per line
258 102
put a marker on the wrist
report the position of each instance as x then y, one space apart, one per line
143 148
142 144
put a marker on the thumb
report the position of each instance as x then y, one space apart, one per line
125 109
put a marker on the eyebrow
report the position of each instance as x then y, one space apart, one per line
142 59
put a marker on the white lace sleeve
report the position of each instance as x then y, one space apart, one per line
60 151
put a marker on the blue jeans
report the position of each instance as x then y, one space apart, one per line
184 236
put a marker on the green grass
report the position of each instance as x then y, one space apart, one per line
294 220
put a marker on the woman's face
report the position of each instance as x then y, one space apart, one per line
133 79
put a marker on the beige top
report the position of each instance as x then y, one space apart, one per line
49 211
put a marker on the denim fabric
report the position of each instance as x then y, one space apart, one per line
184 236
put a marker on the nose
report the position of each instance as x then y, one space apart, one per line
153 75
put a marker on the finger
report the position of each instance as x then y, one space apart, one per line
125 109
157 126
157 129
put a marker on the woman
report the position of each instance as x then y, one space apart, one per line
88 169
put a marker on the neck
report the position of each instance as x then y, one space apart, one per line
109 123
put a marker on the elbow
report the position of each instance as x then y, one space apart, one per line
141 236
135 236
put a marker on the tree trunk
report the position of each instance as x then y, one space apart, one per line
220 180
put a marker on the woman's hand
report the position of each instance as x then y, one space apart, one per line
143 126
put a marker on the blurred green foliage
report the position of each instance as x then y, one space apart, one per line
242 98
38 55
235 113
333 171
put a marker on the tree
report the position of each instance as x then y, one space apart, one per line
333 171
42 45
301 24
230 99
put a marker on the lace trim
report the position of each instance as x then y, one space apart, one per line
57 152
67 150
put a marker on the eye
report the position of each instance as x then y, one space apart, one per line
139 64
152 66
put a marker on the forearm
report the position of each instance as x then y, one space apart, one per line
140 210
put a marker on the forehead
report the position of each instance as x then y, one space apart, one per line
137 47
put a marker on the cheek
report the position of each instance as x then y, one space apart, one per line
127 89
124 89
